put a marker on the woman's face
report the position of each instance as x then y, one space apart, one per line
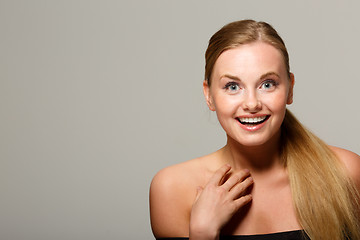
249 92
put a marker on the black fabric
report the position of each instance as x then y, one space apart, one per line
290 235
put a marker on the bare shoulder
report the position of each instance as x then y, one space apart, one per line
172 193
351 161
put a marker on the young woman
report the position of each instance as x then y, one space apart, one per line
273 179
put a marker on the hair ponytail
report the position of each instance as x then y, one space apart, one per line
325 199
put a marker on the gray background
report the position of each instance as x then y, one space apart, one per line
97 96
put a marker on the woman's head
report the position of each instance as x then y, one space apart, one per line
238 33
247 81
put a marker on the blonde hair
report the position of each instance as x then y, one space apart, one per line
325 198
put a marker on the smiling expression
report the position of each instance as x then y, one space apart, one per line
249 90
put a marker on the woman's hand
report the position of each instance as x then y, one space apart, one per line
217 202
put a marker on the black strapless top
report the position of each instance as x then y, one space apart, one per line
289 235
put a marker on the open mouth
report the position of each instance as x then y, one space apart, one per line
253 121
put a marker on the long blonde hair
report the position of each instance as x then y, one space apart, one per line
325 198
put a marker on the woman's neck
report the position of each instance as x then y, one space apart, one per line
257 159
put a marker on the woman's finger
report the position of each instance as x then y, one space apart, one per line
219 175
242 201
198 192
240 188
235 179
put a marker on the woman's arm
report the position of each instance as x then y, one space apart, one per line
170 204
352 163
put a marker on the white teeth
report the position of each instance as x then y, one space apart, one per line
252 120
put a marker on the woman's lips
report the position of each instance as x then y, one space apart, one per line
252 123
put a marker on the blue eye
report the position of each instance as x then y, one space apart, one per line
268 85
232 86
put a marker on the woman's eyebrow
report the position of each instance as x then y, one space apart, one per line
230 76
269 74
265 75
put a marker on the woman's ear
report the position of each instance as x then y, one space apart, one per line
291 89
208 98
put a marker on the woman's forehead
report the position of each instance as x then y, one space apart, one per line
250 58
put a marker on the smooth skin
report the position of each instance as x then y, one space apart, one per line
243 188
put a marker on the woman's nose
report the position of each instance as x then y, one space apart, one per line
251 102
